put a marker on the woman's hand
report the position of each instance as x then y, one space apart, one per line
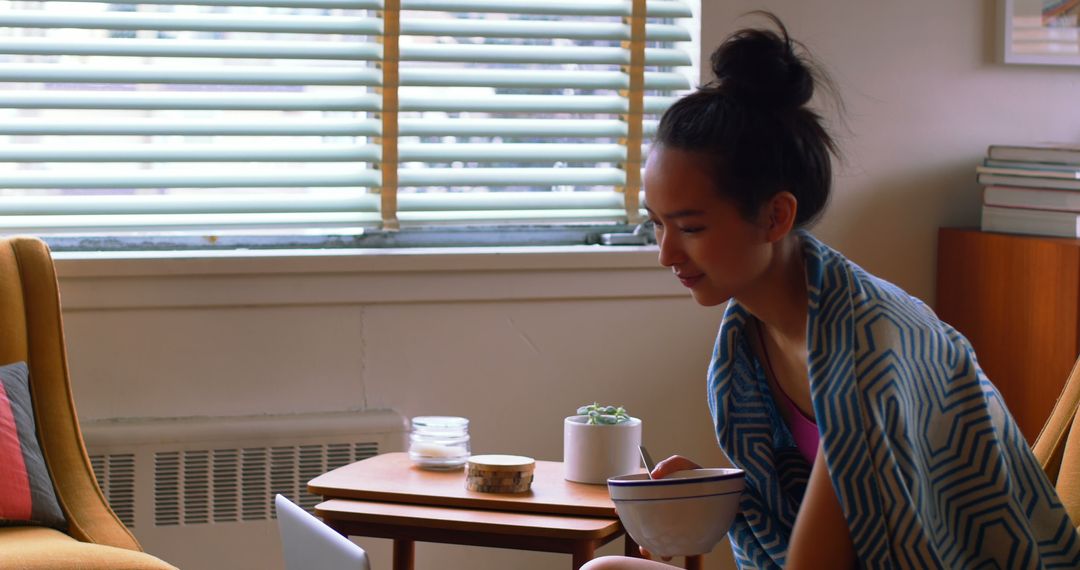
671 465
663 469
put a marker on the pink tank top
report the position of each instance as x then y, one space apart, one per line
803 429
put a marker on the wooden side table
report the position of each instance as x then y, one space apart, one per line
387 497
1017 299
406 524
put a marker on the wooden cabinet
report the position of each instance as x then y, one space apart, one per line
1017 299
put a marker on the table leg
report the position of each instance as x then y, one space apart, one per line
583 552
695 562
630 548
404 554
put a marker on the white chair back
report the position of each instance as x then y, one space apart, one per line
308 544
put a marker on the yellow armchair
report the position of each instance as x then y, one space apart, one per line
1058 446
32 331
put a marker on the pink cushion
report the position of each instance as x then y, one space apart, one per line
26 490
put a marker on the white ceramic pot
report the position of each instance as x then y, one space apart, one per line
592 453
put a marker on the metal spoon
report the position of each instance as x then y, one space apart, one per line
646 459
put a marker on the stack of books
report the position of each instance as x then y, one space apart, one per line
1032 190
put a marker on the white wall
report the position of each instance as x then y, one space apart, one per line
924 98
515 342
516 345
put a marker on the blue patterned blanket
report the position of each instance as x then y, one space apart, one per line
930 469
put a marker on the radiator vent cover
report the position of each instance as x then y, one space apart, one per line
229 485
116 477
193 473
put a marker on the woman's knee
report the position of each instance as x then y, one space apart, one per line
623 563
606 563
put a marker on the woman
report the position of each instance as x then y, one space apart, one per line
869 435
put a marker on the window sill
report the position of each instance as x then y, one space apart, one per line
129 280
271 261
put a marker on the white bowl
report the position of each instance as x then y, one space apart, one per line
683 514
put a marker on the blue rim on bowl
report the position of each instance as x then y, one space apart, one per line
739 492
637 481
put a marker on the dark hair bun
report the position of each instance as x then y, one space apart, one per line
753 126
759 67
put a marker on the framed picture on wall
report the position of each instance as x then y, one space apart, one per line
1044 32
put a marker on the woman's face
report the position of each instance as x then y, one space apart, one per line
712 249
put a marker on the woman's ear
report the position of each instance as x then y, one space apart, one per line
781 209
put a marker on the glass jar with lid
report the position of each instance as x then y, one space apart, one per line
439 442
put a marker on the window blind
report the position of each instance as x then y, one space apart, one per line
218 115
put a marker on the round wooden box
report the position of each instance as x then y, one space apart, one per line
499 473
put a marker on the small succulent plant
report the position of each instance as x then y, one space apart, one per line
603 415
